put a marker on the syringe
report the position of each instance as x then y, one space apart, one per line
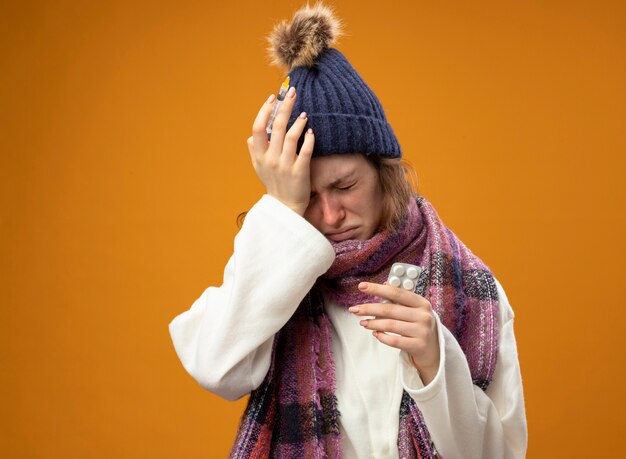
281 95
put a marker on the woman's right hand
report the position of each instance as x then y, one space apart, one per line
285 174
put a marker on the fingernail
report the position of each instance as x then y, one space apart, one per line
363 322
362 286
309 131
302 115
270 99
353 309
292 91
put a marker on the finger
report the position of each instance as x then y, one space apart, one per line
408 329
399 342
259 134
388 310
291 139
279 127
395 295
306 151
251 151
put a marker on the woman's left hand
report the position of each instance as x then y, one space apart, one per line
408 315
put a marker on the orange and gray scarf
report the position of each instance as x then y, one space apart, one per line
293 413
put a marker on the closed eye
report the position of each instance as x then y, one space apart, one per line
345 187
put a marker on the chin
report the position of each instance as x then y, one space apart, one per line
364 235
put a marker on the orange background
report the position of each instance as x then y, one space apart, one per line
124 164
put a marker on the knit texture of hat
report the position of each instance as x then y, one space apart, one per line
344 113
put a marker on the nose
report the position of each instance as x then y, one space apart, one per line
332 210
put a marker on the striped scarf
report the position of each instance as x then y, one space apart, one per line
293 413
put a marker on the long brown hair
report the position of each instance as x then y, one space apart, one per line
398 183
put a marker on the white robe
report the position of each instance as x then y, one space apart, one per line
225 340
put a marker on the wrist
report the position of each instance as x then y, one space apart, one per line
298 208
426 372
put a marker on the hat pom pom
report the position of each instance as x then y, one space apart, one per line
311 31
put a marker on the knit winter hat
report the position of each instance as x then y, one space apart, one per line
344 113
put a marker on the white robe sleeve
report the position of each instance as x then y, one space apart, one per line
463 420
225 339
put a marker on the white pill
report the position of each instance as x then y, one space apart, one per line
394 281
398 270
408 284
412 273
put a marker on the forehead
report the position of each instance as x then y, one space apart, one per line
328 169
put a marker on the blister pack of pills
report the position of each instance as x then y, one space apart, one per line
403 275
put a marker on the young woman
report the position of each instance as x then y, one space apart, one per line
299 323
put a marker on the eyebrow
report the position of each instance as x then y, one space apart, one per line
342 179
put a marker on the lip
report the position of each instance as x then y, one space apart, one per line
343 235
